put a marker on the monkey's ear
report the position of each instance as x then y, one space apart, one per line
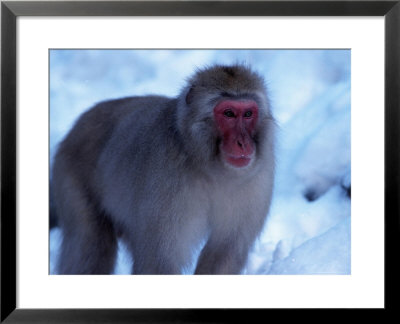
190 96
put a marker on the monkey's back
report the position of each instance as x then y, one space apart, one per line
77 159
132 174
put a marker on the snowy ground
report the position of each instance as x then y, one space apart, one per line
308 227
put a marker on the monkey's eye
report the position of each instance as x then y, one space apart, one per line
248 114
229 113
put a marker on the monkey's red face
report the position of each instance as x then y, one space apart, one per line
236 122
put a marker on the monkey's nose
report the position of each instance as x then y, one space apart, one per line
239 144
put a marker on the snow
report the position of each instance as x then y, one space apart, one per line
328 253
308 228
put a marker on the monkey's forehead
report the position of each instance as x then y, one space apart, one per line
228 77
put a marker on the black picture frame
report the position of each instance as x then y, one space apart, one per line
10 10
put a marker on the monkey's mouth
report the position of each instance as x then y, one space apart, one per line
238 161
236 154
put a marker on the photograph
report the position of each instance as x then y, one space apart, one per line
199 161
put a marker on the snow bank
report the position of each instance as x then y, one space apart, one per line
328 253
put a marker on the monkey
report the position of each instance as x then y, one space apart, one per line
166 174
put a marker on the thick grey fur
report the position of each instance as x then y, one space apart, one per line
148 170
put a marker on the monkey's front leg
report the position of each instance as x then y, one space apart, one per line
168 248
221 256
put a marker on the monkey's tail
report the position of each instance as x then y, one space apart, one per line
53 221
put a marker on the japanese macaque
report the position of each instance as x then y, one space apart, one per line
166 175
